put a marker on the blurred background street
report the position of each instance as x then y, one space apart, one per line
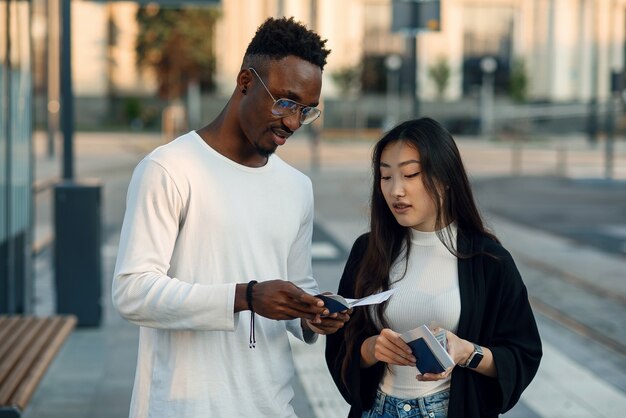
532 90
567 235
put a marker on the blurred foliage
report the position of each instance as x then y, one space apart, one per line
374 74
132 108
178 45
347 79
518 81
440 73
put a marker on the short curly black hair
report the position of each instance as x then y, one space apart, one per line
279 38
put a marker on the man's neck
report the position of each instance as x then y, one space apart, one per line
229 143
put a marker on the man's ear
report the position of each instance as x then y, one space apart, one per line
243 80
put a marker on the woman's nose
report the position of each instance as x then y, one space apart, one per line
398 189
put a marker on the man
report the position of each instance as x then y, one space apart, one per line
208 216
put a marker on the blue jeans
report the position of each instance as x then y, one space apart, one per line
432 406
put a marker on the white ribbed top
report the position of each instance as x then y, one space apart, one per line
427 294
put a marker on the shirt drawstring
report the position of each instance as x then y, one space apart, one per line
251 283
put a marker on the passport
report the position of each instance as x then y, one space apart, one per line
337 303
429 350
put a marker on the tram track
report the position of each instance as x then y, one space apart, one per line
549 307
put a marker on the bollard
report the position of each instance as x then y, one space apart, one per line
77 257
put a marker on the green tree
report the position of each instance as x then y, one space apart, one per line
440 72
347 79
178 45
518 81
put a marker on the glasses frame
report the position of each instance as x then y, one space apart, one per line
308 114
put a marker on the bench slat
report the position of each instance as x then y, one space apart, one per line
3 324
11 333
62 329
27 357
13 347
30 345
10 367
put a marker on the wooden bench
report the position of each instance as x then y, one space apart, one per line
28 344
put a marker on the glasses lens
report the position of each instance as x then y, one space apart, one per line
309 114
284 107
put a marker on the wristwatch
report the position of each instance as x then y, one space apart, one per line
474 359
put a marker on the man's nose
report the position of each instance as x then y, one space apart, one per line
293 121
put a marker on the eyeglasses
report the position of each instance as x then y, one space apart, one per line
287 107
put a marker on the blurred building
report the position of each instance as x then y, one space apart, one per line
565 49
15 155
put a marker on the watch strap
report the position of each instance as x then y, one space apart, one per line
475 358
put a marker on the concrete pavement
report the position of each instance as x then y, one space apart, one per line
577 288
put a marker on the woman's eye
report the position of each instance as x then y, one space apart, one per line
410 176
385 177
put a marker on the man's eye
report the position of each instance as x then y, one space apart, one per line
286 104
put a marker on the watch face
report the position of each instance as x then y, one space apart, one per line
476 357
475 361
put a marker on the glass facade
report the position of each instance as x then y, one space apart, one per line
15 156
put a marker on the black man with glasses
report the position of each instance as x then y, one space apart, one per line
214 262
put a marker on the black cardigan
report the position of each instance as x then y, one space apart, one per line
495 313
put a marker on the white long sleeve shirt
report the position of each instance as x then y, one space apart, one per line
196 224
428 293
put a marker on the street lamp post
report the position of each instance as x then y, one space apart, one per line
411 17
67 96
393 63
617 87
412 44
488 66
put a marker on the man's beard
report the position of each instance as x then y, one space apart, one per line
264 152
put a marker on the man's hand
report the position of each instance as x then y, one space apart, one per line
328 324
280 299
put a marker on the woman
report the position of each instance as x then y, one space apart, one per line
428 241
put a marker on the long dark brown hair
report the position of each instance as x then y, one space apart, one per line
447 183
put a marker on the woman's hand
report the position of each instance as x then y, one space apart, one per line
387 347
458 348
